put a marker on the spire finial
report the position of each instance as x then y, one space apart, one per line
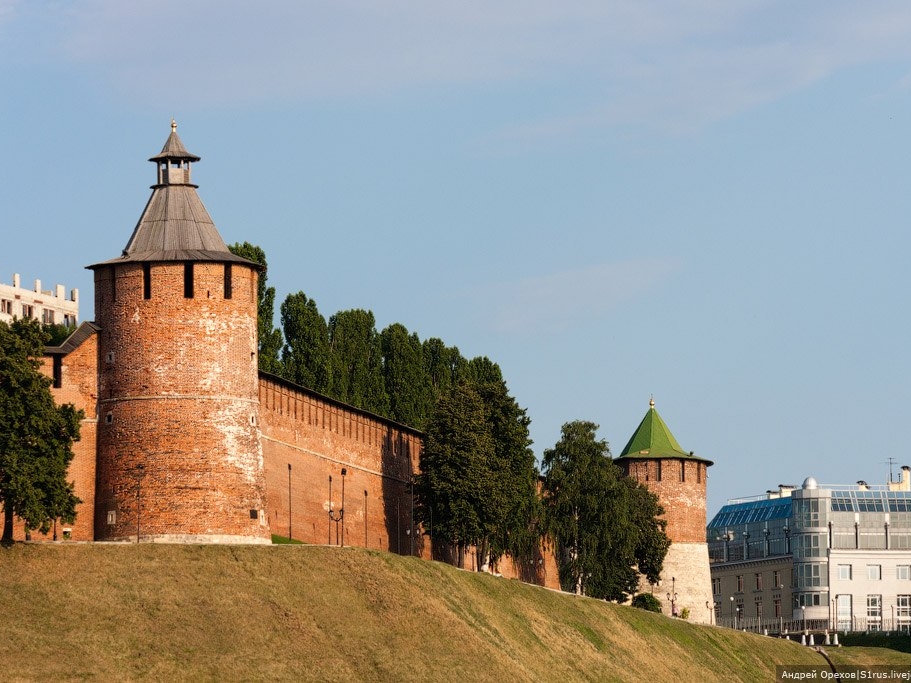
173 125
651 401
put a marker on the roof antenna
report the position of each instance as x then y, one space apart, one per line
891 462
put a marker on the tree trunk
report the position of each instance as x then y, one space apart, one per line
483 552
7 524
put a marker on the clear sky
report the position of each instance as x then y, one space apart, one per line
702 201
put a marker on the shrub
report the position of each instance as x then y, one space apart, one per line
647 601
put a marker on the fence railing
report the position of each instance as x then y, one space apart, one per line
781 626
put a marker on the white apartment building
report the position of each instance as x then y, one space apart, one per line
45 306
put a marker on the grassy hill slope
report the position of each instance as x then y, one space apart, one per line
119 612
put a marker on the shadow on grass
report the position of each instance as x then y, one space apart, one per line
892 641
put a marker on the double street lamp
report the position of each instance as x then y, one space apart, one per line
340 516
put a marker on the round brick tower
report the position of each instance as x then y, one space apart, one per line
179 453
654 458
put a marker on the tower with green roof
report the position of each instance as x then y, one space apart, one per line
654 458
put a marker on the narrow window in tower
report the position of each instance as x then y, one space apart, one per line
682 471
228 281
698 472
113 283
187 280
146 280
658 475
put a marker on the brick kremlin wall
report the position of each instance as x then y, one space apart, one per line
79 386
318 437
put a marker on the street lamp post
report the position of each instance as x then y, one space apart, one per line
672 597
341 513
289 501
140 472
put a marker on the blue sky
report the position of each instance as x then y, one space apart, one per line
702 201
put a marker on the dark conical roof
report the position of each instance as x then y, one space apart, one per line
175 226
173 148
652 439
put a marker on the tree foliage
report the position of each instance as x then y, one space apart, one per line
36 435
478 476
606 526
270 338
646 601
355 361
305 358
405 377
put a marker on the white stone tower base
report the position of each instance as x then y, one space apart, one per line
686 571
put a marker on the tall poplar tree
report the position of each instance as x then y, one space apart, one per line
355 361
405 377
305 359
270 337
36 435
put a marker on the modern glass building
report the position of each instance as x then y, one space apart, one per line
820 556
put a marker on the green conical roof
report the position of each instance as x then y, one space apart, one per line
652 439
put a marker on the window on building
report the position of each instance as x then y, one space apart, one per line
844 572
903 572
69 320
682 471
777 608
740 583
808 575
758 605
874 572
903 612
758 582
6 306
776 579
874 612
228 286
28 311
843 613
716 586
47 316
658 475
146 280
187 280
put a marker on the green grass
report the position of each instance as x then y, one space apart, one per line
300 612
284 540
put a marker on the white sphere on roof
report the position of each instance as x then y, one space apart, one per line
810 483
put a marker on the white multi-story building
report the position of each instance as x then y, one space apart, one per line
824 555
45 306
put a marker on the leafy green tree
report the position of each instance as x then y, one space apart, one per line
406 380
57 334
444 366
606 526
355 361
36 435
270 338
478 477
305 358
456 471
